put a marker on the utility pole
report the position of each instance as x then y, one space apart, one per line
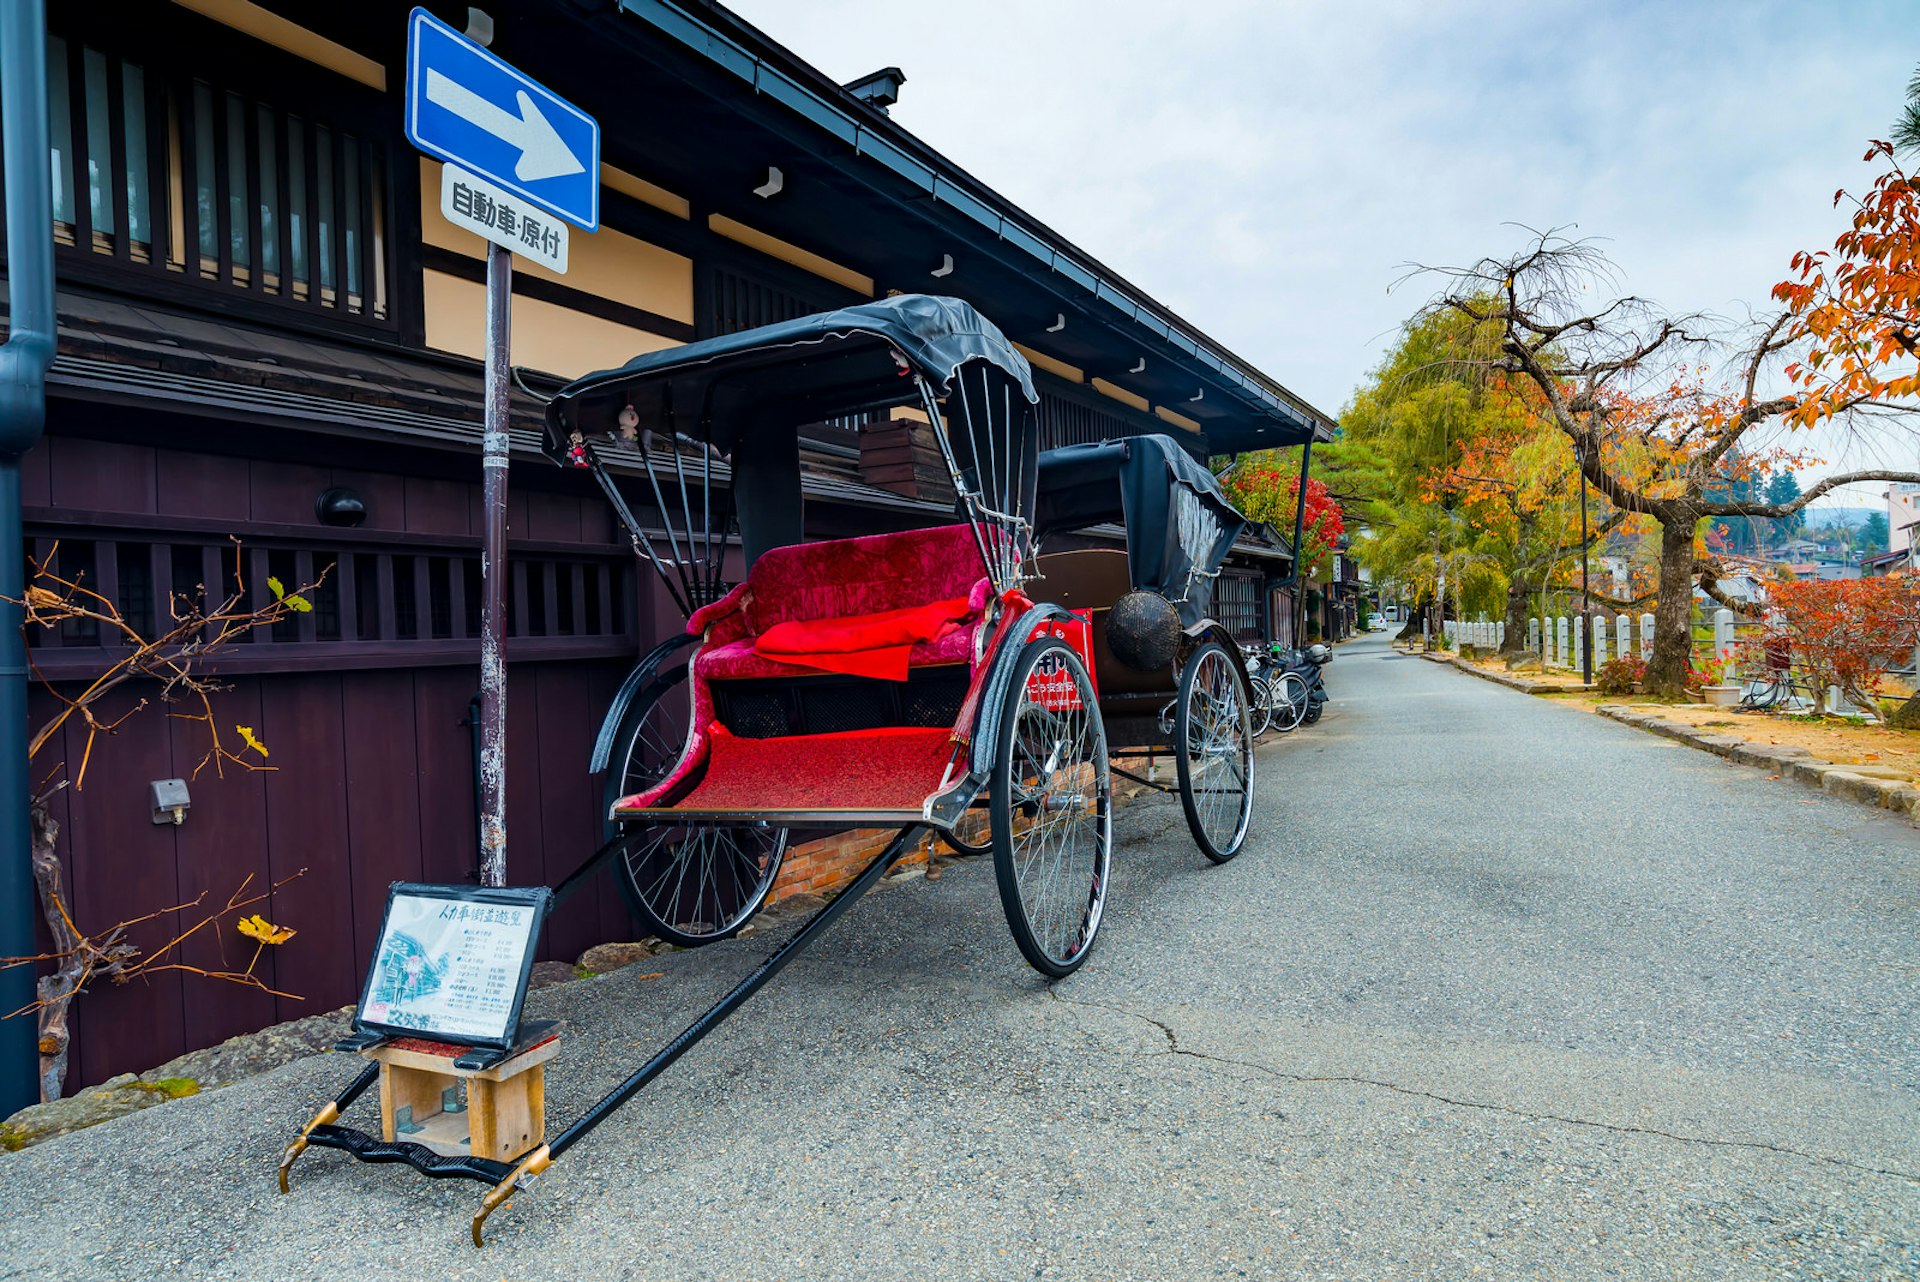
1586 594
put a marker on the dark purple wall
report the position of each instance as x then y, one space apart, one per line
372 768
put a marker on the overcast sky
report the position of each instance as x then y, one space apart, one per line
1268 167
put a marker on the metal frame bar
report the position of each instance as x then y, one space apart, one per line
508 1179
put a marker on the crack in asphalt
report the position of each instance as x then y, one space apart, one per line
1175 1049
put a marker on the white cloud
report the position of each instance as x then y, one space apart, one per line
1266 168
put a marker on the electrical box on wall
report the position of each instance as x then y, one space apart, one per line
170 800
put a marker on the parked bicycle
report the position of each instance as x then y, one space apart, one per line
1777 687
1282 696
1305 666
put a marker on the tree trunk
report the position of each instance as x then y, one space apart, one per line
1515 641
1673 611
1416 617
57 990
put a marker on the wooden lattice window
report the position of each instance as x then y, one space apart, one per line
187 178
1236 604
378 604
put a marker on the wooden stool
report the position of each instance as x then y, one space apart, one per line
506 1112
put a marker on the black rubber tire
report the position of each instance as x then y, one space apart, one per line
1290 701
1030 737
1212 717
732 868
1260 705
1312 713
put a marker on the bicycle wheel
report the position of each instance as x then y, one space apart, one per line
1260 705
1052 808
689 884
1289 701
1215 763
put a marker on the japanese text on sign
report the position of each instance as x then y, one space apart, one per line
449 967
503 218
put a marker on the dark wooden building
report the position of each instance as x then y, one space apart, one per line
264 321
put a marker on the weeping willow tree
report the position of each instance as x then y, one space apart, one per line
1477 501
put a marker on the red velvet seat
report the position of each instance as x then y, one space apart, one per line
736 660
844 578
836 579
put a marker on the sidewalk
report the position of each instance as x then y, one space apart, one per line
1869 764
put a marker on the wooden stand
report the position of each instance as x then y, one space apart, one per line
506 1105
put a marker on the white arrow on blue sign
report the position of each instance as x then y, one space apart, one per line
471 109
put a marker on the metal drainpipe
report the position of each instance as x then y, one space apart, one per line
1292 577
24 360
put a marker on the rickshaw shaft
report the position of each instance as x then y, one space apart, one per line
718 1012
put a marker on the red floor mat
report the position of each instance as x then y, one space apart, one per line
891 769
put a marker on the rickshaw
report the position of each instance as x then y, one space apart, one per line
1171 679
903 680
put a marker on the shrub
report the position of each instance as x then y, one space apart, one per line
1848 633
1620 676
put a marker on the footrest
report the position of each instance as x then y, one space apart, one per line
889 771
365 1148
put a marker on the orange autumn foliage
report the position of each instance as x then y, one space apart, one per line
1860 303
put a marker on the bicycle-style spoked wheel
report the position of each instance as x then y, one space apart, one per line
1052 808
1289 701
1260 705
1214 735
689 884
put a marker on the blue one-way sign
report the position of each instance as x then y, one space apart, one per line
469 108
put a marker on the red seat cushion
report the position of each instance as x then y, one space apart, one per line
842 578
737 660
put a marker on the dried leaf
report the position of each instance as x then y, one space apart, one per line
246 733
258 927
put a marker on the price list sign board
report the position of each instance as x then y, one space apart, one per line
452 963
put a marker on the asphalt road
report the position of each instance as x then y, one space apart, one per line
1497 989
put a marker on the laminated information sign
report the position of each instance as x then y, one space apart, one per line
452 962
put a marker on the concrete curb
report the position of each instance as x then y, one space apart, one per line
1782 759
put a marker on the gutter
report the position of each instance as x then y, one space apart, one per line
24 361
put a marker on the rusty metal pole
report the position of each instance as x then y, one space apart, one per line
493 577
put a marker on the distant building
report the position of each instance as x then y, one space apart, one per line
1903 513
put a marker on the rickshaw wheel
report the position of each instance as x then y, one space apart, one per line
687 884
1051 809
1214 731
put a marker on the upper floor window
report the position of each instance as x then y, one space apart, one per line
182 176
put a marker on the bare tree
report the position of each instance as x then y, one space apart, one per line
1649 433
198 627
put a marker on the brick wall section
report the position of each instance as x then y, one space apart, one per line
827 864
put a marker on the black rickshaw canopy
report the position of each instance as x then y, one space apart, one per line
1179 525
791 373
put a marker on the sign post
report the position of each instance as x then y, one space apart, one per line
521 163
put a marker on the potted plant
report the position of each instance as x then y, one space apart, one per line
1715 676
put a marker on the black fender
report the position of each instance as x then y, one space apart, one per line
1209 630
993 692
643 672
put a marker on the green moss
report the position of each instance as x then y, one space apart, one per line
581 972
171 1087
14 1138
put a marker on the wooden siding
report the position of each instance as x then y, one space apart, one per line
372 777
